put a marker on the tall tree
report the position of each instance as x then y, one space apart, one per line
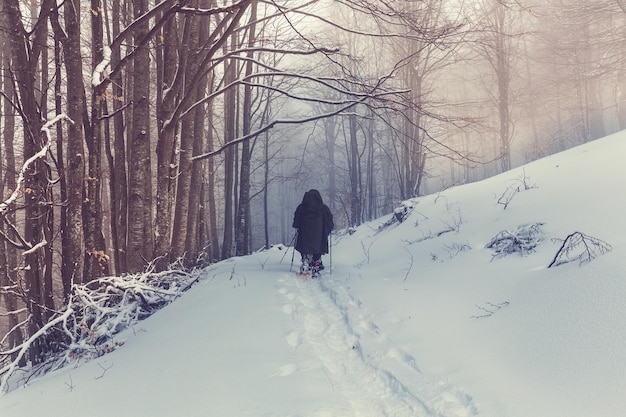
242 223
140 234
171 77
25 48
9 280
73 231
198 222
96 254
118 184
497 43
230 112
191 48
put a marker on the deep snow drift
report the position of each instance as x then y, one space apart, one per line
417 318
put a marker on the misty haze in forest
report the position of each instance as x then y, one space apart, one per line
151 135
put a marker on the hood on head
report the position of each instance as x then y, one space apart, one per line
312 198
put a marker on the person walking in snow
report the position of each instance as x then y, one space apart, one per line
314 222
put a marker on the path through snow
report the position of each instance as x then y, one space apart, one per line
376 376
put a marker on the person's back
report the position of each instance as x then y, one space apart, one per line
308 219
314 222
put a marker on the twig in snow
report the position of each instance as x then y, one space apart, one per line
488 312
406 276
70 385
104 370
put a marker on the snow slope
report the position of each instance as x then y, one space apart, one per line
416 319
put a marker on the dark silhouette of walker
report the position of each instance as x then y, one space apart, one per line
314 222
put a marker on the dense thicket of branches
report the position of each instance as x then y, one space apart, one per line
136 133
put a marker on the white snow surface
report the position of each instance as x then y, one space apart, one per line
409 322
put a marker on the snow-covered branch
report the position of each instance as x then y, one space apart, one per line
523 240
21 350
98 72
4 206
579 247
94 314
215 10
35 247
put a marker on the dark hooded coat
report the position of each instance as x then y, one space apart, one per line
314 222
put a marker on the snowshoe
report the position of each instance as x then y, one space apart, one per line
305 269
315 268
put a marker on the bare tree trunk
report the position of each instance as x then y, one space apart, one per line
75 172
330 133
266 183
48 221
533 106
355 185
230 111
371 177
195 223
243 219
67 267
119 183
8 253
140 239
166 159
502 70
96 257
183 177
197 236
26 57
213 233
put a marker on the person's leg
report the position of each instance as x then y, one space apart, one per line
307 264
315 265
304 264
318 258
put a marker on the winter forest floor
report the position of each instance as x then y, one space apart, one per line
452 313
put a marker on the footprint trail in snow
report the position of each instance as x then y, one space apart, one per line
376 376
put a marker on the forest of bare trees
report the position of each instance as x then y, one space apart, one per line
136 134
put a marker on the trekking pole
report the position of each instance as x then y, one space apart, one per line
291 244
293 252
330 253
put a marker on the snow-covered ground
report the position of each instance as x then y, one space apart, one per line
415 319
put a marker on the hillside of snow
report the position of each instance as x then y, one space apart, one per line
418 318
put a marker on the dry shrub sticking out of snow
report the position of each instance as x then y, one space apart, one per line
522 240
579 247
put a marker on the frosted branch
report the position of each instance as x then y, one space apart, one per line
98 73
94 314
39 155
